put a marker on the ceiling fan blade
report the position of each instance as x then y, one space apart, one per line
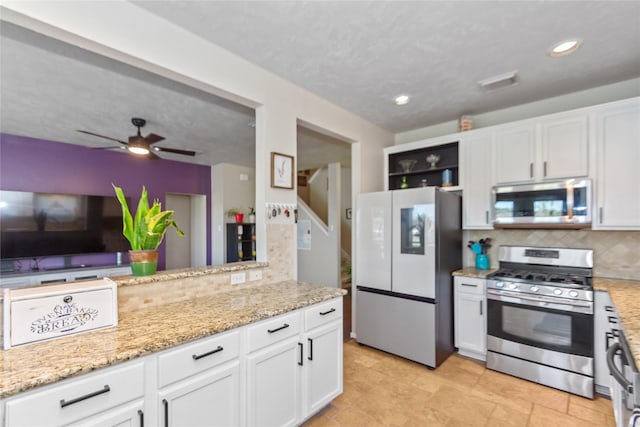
153 156
153 138
113 147
101 136
176 151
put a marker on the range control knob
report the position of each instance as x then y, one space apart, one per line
557 291
534 289
573 294
512 286
499 285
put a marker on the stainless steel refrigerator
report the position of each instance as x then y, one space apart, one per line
408 244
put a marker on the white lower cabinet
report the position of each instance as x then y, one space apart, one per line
102 395
470 322
322 365
276 372
211 398
199 383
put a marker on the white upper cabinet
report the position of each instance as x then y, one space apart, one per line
617 148
476 165
515 153
564 145
548 148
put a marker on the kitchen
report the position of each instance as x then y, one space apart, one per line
287 267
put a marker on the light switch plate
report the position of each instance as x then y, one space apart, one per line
237 278
255 275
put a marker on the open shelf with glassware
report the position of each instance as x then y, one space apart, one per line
434 165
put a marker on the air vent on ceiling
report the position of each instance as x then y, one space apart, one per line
500 81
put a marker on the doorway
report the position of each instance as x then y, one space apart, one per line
190 215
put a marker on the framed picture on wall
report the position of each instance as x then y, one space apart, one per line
281 170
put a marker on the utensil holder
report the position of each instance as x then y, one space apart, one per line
482 262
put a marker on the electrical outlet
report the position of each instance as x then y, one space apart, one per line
237 278
255 275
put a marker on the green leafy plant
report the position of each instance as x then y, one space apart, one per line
146 230
233 211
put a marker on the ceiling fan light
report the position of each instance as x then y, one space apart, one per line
136 149
402 100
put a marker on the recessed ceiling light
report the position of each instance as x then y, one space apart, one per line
402 100
565 47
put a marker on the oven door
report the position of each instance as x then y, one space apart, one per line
535 324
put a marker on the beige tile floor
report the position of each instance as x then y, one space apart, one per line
384 390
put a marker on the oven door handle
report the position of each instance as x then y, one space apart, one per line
613 369
491 292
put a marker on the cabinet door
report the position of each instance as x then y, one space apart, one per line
322 367
514 154
273 384
564 147
618 174
208 399
129 415
477 172
470 318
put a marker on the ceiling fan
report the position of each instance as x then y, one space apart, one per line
140 145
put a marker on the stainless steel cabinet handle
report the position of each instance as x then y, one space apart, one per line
531 170
480 308
65 403
601 214
469 284
545 168
141 416
486 217
209 353
285 326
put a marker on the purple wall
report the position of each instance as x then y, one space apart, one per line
28 164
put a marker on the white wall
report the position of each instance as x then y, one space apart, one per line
319 194
585 98
149 42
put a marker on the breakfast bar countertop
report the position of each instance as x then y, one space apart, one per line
149 330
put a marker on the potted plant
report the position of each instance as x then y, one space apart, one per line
145 231
237 213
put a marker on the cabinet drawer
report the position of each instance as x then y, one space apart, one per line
190 359
274 330
77 398
469 285
320 314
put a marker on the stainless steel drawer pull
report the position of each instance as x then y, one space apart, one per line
209 353
469 284
324 313
480 307
285 326
64 403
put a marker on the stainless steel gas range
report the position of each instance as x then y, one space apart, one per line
540 317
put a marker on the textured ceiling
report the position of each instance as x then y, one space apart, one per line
359 55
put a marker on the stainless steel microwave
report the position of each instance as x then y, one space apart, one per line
561 204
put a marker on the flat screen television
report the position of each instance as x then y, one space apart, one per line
47 224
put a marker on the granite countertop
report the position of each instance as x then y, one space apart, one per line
146 331
473 272
625 295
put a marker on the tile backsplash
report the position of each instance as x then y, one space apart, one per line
616 253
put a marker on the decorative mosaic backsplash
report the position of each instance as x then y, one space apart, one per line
616 253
